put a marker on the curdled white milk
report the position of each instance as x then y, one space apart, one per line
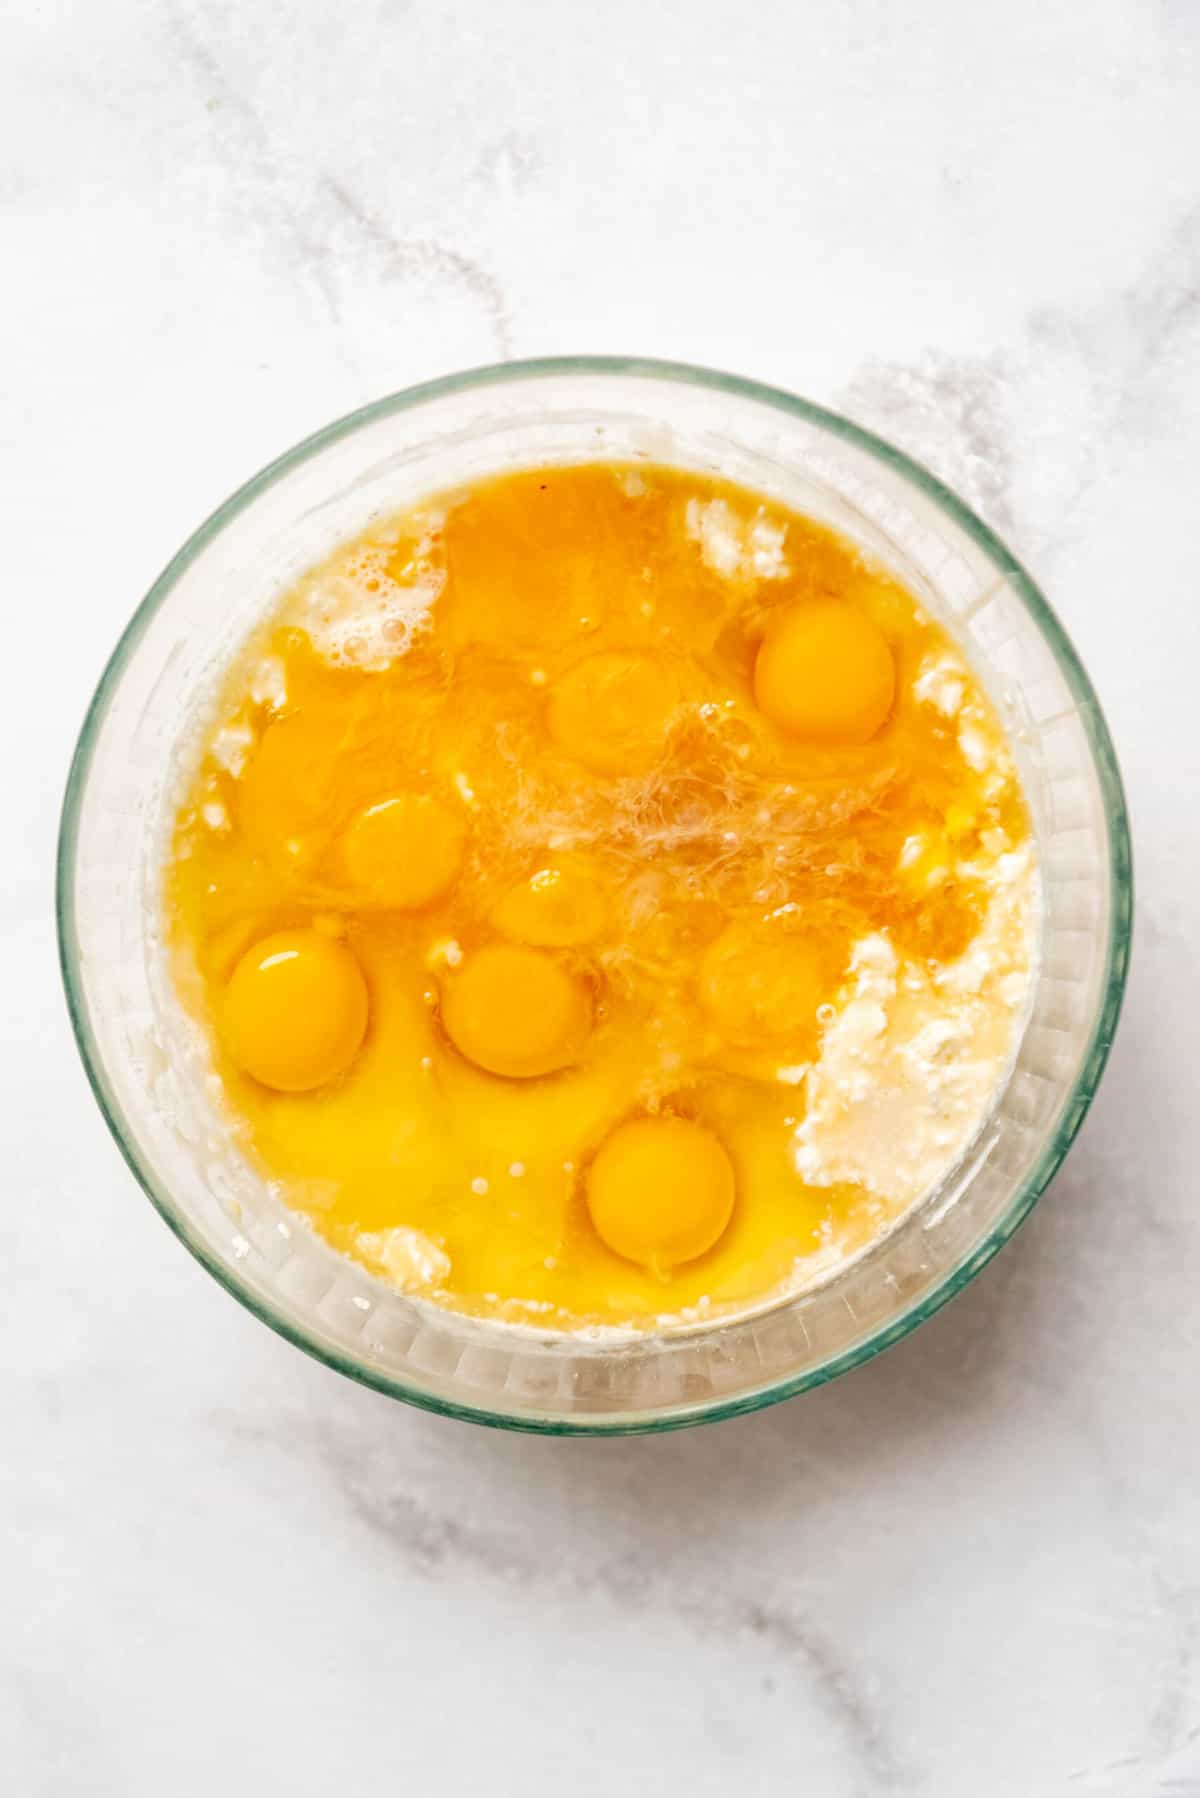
407 1258
912 1056
736 547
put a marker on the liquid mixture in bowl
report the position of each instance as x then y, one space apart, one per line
608 899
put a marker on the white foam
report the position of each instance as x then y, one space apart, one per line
364 613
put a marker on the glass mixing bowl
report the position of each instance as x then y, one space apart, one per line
155 1090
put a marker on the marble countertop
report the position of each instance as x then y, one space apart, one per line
972 1568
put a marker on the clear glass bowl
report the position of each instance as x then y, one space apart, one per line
141 727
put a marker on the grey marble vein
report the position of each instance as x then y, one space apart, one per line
328 229
433 1543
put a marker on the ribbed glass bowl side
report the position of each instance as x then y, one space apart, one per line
142 726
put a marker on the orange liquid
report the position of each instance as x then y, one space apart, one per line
680 862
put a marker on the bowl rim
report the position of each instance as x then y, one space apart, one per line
1120 865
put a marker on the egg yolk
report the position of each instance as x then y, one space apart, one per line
760 986
295 1011
660 1191
612 712
516 1012
825 674
556 908
403 853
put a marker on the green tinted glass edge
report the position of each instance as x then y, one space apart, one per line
1120 879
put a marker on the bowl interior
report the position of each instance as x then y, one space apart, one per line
150 1073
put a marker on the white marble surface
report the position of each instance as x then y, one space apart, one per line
973 1568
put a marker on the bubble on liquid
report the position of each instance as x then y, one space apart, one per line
366 612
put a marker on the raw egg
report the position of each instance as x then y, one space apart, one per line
556 908
612 712
762 986
295 1010
825 674
516 1012
660 1191
404 852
